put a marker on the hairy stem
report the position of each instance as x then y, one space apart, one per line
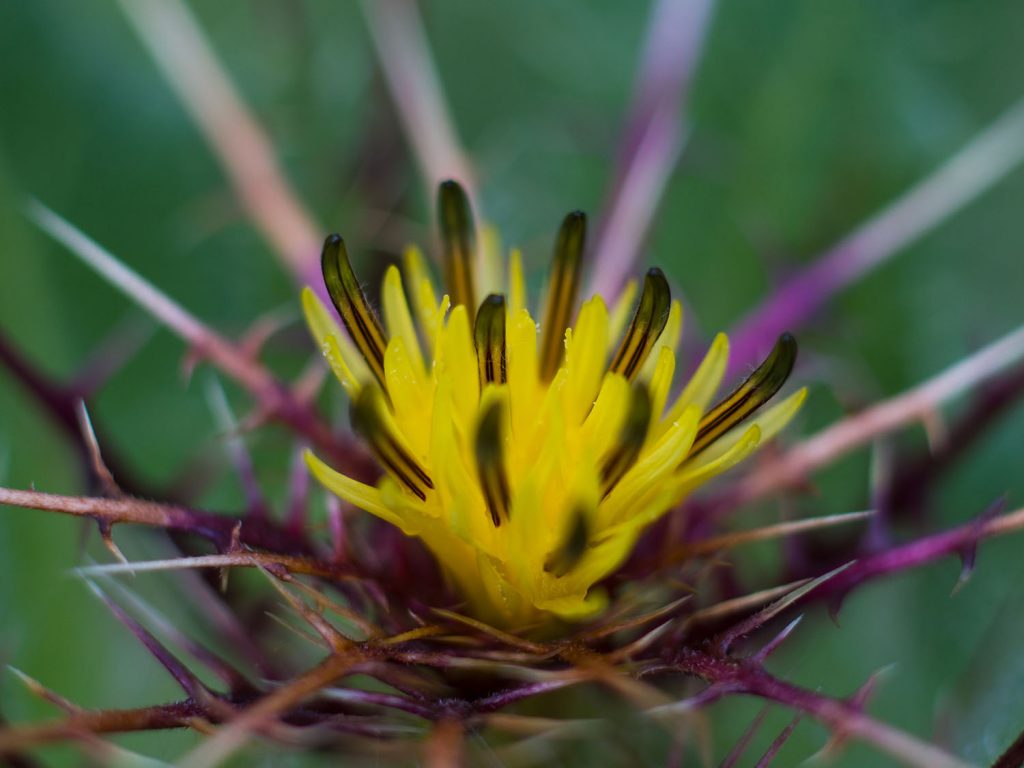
653 137
796 464
986 160
174 38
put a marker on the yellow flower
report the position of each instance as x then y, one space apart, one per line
528 466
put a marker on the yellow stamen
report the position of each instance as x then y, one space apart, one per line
757 390
648 323
360 320
571 551
458 242
490 462
489 333
566 268
370 421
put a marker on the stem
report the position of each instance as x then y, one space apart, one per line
274 398
956 541
213 527
844 718
404 53
234 734
177 715
653 138
828 445
988 158
181 51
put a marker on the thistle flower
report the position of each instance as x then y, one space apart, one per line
529 466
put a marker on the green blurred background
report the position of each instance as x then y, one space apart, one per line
807 117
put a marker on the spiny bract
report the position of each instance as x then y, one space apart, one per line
529 469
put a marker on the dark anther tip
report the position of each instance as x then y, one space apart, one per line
452 191
775 369
655 273
495 300
334 246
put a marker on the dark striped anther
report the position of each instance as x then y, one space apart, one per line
489 336
458 242
570 551
360 320
369 422
563 287
757 390
631 439
490 463
648 322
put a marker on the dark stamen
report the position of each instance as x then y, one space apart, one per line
648 323
490 464
566 268
360 320
631 440
458 242
368 420
757 390
571 551
489 333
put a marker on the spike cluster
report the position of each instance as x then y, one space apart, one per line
528 466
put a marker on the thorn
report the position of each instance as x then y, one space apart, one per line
860 698
780 740
107 535
181 674
772 645
751 623
310 380
40 691
744 741
835 605
131 333
935 429
969 552
236 448
331 636
336 523
265 326
104 477
190 361
298 491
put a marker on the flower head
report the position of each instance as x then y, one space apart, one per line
529 459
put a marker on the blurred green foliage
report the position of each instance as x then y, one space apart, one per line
807 117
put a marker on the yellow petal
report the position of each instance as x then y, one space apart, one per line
524 389
705 382
398 318
516 283
361 495
457 355
336 360
661 383
704 467
411 397
322 324
585 360
489 275
669 340
620 314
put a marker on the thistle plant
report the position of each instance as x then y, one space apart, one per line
527 498
530 466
